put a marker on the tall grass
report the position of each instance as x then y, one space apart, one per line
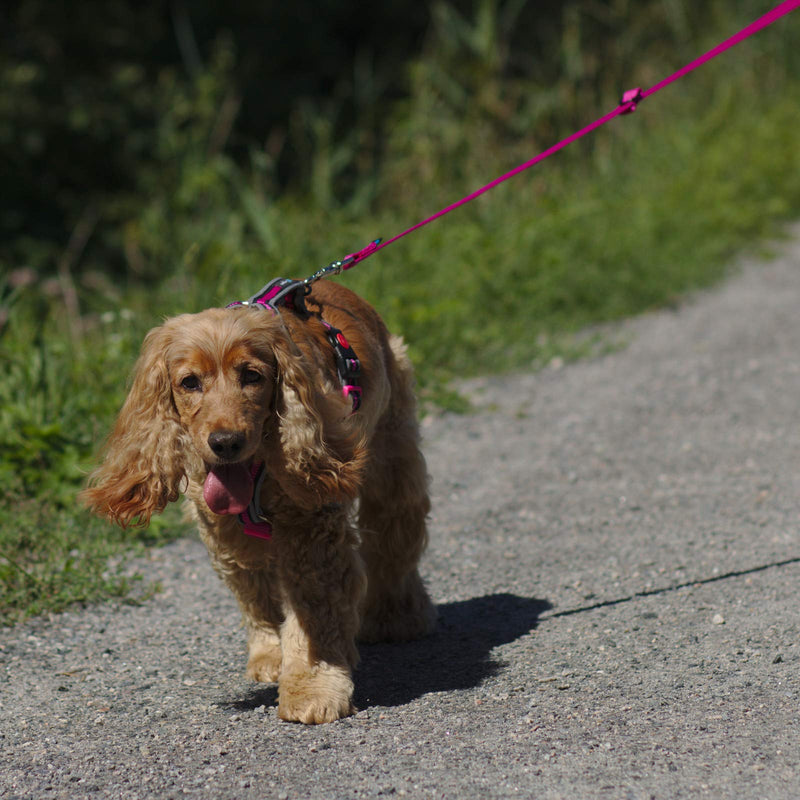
653 206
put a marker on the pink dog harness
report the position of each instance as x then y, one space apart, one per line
291 294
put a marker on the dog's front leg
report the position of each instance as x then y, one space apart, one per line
323 583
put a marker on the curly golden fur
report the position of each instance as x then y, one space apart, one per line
346 493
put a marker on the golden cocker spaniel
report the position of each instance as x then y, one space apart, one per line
242 410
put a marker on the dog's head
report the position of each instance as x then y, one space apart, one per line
213 393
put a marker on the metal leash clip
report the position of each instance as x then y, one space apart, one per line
336 267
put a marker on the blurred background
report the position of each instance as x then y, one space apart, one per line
161 157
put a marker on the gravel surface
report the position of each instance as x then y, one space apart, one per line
615 554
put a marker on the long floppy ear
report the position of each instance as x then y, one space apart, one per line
322 457
142 467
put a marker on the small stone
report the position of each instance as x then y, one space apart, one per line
718 619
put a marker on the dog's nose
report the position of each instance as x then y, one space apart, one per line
226 444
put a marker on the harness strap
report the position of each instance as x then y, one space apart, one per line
290 294
278 292
347 364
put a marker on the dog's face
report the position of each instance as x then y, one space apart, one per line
222 375
222 378
223 390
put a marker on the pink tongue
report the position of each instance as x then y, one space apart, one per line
228 489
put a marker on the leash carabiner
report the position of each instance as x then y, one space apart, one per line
336 267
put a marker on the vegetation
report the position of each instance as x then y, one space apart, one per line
164 161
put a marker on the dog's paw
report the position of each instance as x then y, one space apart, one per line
264 663
322 695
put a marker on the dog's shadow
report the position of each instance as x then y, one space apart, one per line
457 655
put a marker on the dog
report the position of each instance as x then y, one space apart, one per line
341 500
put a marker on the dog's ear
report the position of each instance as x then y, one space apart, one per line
142 466
321 456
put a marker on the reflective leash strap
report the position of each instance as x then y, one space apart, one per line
630 99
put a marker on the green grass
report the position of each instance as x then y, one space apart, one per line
52 558
654 206
507 282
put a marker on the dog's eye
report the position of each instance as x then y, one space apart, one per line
191 383
250 376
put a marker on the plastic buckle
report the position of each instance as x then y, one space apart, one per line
354 393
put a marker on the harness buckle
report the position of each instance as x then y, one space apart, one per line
354 393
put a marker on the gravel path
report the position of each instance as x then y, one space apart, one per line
616 556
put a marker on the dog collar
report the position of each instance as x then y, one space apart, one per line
254 523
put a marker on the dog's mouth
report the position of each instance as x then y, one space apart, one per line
228 488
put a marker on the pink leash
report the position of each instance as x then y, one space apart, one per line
628 104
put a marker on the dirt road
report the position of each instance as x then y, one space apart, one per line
616 556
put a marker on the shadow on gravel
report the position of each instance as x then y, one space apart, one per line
255 698
457 655
737 573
